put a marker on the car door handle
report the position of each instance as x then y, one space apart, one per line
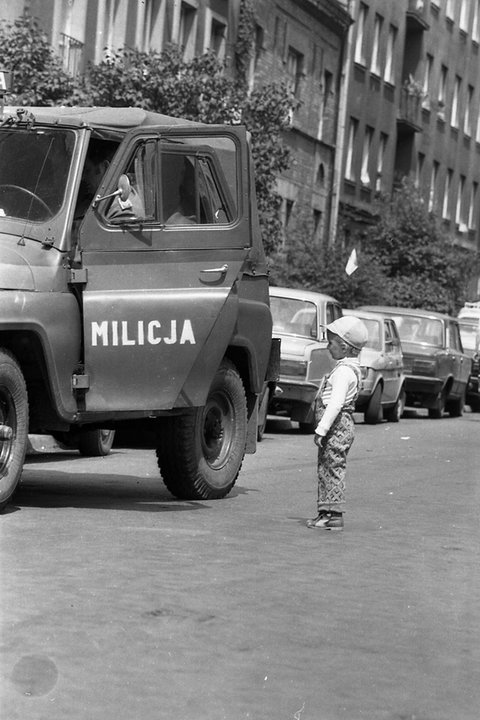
221 270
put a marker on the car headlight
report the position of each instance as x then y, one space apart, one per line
295 368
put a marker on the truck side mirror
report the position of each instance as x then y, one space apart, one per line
123 191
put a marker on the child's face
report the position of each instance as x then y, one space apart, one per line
336 346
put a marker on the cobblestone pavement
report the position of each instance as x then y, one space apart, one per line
119 602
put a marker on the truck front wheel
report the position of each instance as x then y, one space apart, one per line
13 425
200 454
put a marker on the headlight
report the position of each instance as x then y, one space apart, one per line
295 368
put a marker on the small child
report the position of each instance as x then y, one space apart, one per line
334 406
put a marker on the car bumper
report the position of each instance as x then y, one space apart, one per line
423 385
294 400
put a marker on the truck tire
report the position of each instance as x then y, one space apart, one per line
200 454
96 443
14 425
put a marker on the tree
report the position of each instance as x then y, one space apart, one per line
423 266
310 266
37 75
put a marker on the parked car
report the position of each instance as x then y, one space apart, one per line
469 322
435 365
382 391
299 319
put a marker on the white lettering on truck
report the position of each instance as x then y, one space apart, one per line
124 333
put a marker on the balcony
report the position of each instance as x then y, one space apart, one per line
416 16
409 112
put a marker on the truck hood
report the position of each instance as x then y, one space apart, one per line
15 271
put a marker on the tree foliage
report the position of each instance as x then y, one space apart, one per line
37 74
423 266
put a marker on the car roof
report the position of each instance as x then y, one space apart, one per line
417 312
358 312
118 118
300 294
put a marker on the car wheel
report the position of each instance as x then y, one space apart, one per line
13 425
455 407
96 443
373 413
394 413
200 454
438 408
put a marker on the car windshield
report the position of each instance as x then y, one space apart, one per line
470 333
420 330
294 317
373 330
34 166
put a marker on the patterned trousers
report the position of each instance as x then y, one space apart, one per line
332 463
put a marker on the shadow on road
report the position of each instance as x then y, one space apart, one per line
116 492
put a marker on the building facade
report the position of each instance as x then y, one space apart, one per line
418 63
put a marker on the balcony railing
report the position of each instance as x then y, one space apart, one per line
71 51
409 112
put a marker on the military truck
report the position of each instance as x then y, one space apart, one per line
142 302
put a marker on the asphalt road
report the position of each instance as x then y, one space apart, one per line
119 602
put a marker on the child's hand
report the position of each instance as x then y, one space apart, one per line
318 440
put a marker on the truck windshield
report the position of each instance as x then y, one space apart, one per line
34 165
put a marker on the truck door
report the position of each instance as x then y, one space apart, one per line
160 264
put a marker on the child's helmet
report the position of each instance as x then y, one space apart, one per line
350 329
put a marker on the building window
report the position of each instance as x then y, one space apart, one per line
258 47
71 53
352 136
446 195
382 150
468 117
476 21
473 210
464 7
456 102
433 186
216 34
367 146
187 31
427 82
360 38
286 212
389 74
377 34
450 10
459 210
326 94
317 224
442 92
294 70
151 32
419 171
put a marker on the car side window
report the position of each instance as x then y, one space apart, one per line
332 312
454 341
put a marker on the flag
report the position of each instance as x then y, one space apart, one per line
352 263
